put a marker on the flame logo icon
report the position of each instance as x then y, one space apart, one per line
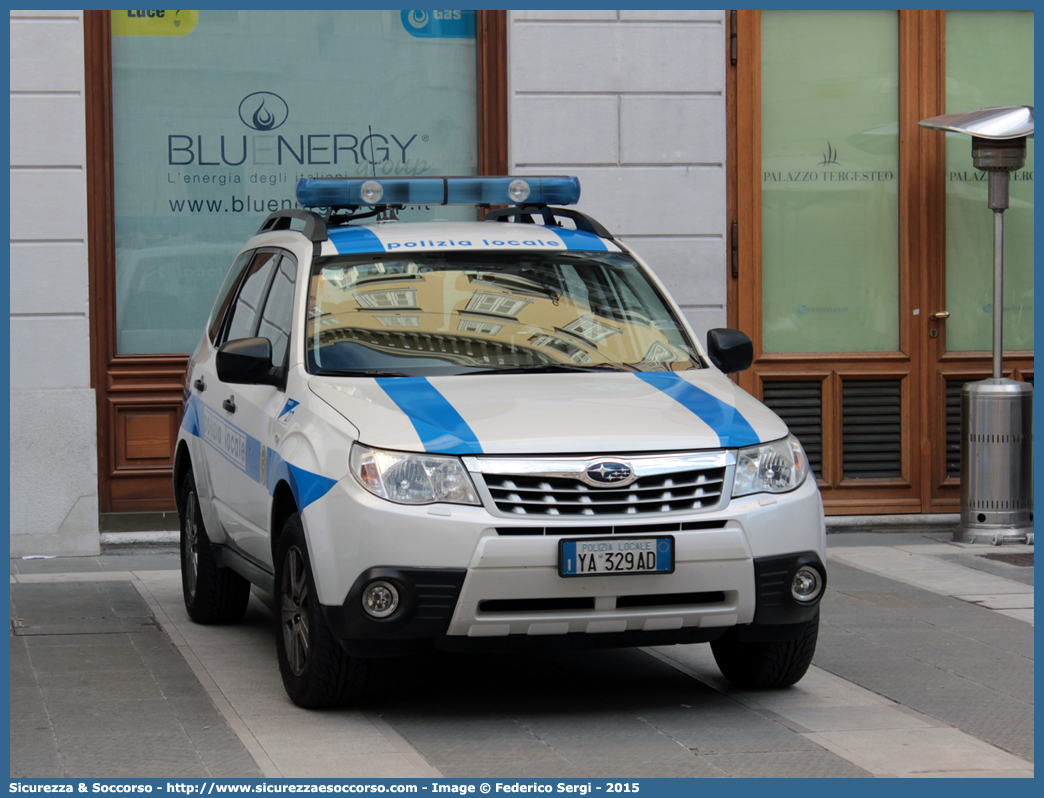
263 111
418 19
262 119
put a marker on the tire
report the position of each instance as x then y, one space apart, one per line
772 664
213 594
317 672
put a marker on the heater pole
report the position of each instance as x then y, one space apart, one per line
998 291
996 414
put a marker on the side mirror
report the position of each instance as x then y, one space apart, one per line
247 361
730 350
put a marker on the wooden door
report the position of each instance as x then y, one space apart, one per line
877 415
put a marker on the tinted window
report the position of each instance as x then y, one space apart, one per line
279 309
250 294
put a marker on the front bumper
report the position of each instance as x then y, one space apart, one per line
470 581
429 598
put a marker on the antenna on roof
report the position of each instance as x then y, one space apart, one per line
389 213
373 158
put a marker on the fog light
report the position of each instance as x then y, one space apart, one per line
807 584
380 599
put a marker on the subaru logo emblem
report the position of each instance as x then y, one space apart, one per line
609 474
263 111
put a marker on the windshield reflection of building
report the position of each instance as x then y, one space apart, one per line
477 318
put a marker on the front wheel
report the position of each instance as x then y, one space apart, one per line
317 672
776 663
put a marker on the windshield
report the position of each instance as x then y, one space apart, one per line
461 313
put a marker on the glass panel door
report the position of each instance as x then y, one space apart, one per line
989 62
830 181
217 113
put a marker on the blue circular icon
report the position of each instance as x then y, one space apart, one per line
263 111
418 19
803 309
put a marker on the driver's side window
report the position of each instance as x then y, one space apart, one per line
242 321
279 309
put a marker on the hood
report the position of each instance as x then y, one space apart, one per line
581 414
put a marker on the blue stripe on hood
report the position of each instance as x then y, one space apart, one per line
731 427
439 425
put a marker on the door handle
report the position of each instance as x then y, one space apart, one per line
939 315
230 404
199 385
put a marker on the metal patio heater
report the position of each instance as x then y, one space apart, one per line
996 414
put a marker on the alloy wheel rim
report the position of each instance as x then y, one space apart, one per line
190 553
294 601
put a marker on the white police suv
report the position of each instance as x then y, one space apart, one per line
482 436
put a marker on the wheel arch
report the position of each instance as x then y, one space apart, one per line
182 465
283 506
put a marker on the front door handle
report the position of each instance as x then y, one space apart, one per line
230 404
939 315
200 385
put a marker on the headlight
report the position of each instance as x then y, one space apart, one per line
412 478
770 468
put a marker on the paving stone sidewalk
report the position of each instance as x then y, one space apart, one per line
98 690
906 680
965 665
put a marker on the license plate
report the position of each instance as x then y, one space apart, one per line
616 556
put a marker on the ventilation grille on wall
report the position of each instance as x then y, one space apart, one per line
953 428
800 405
871 434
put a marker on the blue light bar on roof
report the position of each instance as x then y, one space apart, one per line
343 192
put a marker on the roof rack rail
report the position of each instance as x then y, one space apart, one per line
314 226
550 216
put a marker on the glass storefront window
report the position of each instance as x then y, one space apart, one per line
830 181
216 114
989 62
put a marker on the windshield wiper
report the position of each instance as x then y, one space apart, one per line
359 373
548 368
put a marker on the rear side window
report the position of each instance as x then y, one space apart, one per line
228 290
251 292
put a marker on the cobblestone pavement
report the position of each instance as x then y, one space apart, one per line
924 668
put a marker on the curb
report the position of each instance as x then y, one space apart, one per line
124 542
943 522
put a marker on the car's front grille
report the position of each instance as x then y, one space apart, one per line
529 494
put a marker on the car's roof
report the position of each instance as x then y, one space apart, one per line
459 236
